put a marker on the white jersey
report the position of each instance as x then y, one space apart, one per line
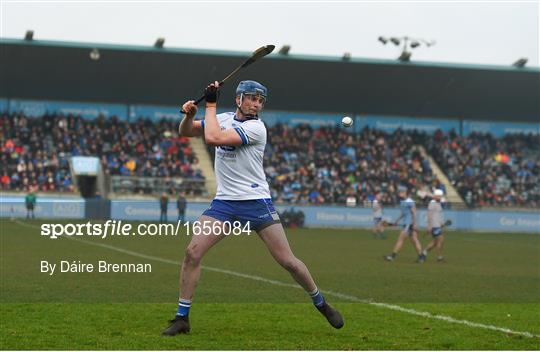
435 211
377 208
239 169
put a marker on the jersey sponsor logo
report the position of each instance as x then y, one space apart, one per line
229 156
254 185
228 148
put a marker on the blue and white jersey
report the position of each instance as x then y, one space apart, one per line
435 213
239 169
376 206
407 206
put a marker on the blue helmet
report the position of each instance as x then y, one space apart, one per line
251 87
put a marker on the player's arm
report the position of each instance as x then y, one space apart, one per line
213 134
188 127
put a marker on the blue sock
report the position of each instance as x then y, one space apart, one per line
317 298
183 308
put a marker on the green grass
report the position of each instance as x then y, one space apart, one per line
492 279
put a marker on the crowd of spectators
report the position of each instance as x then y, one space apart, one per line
35 151
331 165
30 160
489 171
304 165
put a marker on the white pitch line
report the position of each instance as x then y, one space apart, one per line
326 292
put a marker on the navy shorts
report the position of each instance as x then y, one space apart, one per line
376 221
436 231
260 213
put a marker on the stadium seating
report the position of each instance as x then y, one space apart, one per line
488 171
329 165
304 165
32 159
35 151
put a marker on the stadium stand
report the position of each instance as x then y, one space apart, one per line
304 165
330 165
490 171
32 159
137 154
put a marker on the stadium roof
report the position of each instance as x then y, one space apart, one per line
139 74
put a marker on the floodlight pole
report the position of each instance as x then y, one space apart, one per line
413 42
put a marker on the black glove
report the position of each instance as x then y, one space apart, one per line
211 94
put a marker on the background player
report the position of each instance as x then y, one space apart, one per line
378 226
30 202
242 194
408 214
435 224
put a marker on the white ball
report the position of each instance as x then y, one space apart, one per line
347 121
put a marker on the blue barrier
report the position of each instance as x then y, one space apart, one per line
154 112
315 120
46 207
86 110
315 216
4 105
499 129
147 210
391 123
320 216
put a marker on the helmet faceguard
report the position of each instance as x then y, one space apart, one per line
250 88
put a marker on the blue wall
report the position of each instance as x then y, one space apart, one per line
153 112
316 216
391 123
86 110
46 208
499 129
3 105
462 219
146 210
294 118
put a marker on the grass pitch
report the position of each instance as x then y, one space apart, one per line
245 300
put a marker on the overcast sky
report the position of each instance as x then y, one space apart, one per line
481 32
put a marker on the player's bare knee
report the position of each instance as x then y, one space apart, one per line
291 264
192 256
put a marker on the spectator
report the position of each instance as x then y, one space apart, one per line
181 205
163 205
